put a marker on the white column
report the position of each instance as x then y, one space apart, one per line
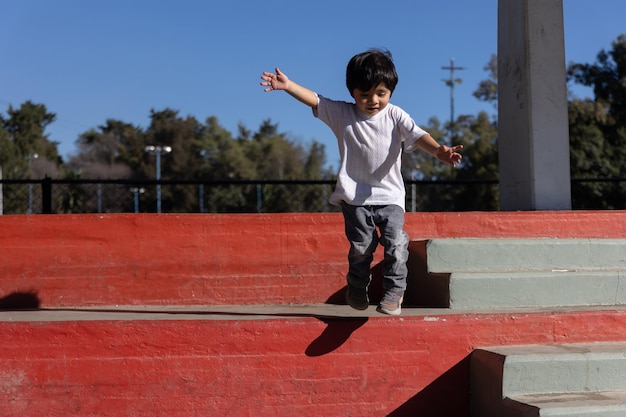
533 138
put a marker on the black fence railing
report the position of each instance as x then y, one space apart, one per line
43 196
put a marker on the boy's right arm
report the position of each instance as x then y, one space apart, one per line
279 81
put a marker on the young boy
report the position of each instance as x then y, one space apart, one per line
370 189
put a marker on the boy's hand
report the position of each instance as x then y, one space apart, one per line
449 155
278 81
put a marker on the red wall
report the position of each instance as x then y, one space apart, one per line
213 365
227 259
131 362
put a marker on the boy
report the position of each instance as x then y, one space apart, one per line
370 189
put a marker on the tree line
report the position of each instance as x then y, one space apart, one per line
207 151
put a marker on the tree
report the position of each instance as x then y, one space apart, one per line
99 153
8 161
480 162
224 158
606 77
488 89
33 154
588 149
278 158
420 166
597 129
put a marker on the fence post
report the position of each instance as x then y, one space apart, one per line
259 199
46 195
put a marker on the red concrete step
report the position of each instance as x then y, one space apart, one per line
198 259
172 259
316 360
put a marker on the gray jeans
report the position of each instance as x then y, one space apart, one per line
363 224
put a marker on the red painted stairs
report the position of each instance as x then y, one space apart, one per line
242 315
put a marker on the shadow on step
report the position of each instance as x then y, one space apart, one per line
337 332
447 396
20 300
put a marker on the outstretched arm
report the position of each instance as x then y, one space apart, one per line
444 153
279 81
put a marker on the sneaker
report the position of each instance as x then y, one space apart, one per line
391 304
357 298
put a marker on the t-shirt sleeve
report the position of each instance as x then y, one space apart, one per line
331 112
326 109
411 132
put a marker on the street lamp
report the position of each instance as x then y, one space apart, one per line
30 185
136 191
158 151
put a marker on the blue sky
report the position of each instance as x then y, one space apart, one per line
89 61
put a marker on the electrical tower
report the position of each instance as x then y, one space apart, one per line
450 82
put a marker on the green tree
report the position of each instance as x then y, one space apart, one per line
26 152
598 129
225 159
420 166
223 156
100 153
588 149
488 89
167 128
277 158
480 162
34 155
112 151
9 163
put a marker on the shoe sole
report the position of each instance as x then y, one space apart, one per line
357 306
394 312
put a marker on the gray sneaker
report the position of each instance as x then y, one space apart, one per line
357 298
391 304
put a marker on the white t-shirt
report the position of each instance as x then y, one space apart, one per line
371 151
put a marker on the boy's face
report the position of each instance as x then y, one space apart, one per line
373 101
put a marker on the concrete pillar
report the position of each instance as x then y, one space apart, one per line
533 138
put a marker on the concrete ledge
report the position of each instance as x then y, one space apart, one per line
287 312
585 404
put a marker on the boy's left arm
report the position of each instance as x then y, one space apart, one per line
444 153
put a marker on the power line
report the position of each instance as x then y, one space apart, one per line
450 82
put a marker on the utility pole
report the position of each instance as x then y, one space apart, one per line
450 83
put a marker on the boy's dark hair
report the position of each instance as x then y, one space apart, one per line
370 68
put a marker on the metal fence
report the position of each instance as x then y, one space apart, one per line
47 195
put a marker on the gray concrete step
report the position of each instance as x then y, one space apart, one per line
550 380
492 255
536 289
515 273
